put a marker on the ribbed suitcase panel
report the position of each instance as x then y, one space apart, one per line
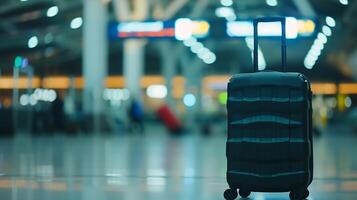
283 102
281 182
266 168
271 150
265 130
268 145
245 105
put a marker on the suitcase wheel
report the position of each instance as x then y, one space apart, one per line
299 194
244 193
230 194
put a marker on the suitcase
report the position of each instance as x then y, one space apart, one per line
170 120
269 146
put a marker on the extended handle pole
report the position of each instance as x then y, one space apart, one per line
283 39
255 46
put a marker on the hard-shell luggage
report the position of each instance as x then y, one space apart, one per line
269 146
170 120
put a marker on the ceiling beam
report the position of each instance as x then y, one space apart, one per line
199 8
122 10
305 8
173 8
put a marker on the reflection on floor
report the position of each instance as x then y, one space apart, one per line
154 166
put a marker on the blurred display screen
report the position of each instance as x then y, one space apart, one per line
184 28
149 29
294 28
181 28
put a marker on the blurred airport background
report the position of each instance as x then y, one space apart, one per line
92 91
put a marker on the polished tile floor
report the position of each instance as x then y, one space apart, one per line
154 166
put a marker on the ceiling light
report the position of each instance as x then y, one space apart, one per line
318 42
227 2
189 100
348 102
23 0
313 58
330 21
197 47
344 2
32 42
322 38
224 12
318 46
156 91
24 100
190 42
231 18
308 64
76 23
326 30
183 28
310 61
211 58
52 11
272 2
315 52
204 53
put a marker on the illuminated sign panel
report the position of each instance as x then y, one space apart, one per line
294 28
200 29
140 27
160 29
148 29
306 27
184 28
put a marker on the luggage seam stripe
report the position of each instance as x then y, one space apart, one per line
266 140
265 118
267 176
280 100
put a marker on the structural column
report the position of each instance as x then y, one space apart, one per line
168 69
95 57
134 52
133 69
192 73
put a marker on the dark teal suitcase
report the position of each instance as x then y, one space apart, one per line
270 145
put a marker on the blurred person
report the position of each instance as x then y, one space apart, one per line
206 127
69 106
319 115
58 113
136 117
170 120
72 121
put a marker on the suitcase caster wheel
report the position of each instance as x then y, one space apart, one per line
230 194
299 194
244 193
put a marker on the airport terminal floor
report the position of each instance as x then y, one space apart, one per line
266 73
153 166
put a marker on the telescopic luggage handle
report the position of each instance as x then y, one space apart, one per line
283 39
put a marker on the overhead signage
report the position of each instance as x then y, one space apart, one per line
184 28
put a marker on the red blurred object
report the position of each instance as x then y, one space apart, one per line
169 119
